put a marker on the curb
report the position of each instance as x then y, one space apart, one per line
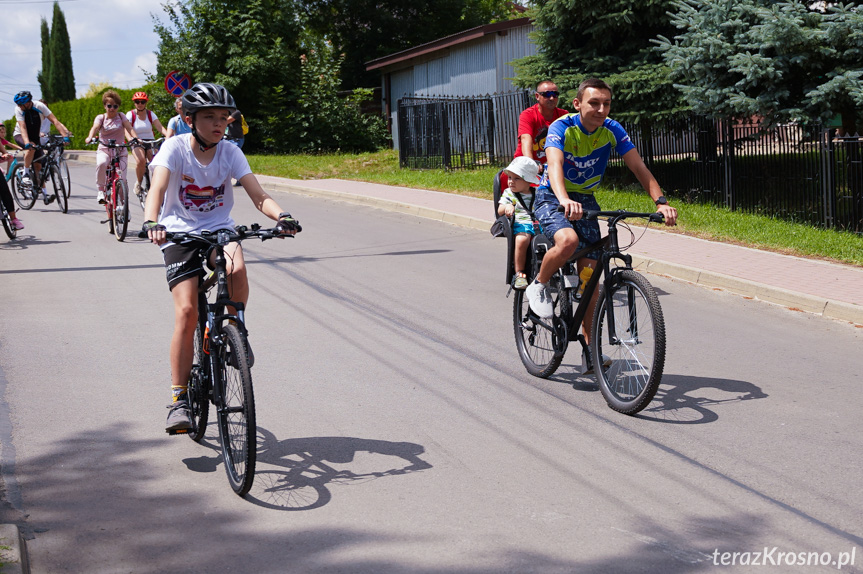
12 551
750 289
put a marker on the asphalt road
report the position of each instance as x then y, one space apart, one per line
398 430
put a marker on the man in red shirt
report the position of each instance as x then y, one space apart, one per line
534 121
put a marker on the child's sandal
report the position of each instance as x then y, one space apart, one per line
520 281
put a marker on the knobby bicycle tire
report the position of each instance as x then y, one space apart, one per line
236 414
630 382
199 391
59 189
10 230
25 197
120 211
542 343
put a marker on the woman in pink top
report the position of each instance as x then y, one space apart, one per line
111 125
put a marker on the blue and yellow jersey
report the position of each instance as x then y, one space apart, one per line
585 155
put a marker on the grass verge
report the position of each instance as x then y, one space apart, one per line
704 221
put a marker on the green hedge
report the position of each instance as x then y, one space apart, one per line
78 115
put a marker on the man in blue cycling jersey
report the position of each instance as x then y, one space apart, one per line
578 147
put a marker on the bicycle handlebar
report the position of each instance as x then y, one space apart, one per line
110 143
223 236
617 215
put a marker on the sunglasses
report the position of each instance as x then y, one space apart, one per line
112 106
140 101
549 94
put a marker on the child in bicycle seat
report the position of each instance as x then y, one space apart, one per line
191 191
522 172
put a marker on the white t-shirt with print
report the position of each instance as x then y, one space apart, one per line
198 196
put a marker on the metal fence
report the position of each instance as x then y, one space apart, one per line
453 133
794 172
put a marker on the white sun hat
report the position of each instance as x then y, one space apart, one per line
525 168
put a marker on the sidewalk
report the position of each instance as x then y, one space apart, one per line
829 289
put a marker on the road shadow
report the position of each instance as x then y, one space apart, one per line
25 242
294 474
681 399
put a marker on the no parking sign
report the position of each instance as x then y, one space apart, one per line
177 82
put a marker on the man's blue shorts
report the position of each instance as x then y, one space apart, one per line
553 221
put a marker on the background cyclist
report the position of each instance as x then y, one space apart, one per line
112 125
177 125
29 116
144 121
191 191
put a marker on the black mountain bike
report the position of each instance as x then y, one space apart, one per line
26 194
627 342
221 370
145 180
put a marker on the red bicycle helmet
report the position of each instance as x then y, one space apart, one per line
140 96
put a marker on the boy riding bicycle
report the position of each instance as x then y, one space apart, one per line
578 147
191 191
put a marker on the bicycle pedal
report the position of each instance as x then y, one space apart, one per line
172 432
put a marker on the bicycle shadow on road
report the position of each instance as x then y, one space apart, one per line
25 242
294 474
683 399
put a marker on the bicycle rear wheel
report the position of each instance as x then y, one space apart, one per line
120 213
638 354
542 343
64 173
199 390
59 189
236 413
24 195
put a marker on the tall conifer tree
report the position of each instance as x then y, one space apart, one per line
45 72
61 79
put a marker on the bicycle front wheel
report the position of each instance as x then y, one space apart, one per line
59 189
199 390
541 343
637 352
145 188
120 213
236 413
8 227
64 173
24 195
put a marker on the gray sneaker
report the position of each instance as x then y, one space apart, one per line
180 418
539 298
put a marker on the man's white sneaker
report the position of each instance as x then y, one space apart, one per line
539 298
101 197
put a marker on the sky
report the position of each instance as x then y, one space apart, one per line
112 41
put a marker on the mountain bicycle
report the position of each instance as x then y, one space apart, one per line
25 193
145 180
627 340
116 192
221 369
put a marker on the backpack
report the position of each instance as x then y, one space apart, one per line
134 117
245 125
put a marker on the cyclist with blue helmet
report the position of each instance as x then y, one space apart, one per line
29 115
